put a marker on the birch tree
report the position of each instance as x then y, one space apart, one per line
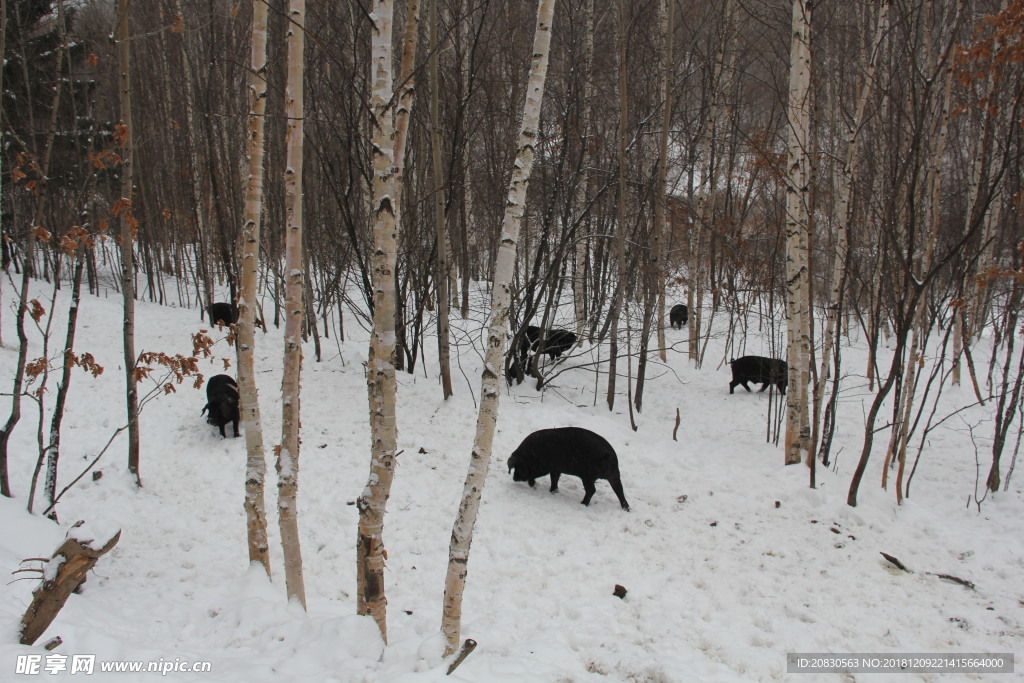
501 297
388 155
797 220
256 463
288 452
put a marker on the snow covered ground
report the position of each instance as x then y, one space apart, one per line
730 560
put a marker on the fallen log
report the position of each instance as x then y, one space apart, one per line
62 575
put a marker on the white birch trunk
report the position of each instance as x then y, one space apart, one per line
797 222
501 296
389 135
288 454
249 406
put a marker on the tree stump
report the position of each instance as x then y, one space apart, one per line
64 573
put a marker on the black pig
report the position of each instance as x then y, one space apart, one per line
224 314
677 316
222 402
568 450
759 369
556 342
227 314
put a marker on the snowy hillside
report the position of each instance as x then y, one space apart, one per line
730 560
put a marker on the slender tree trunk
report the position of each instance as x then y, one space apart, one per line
902 429
653 275
581 249
442 275
53 447
129 230
930 209
620 218
957 321
980 310
1008 399
288 455
970 318
797 224
3 51
876 405
389 136
660 227
42 167
196 200
501 297
708 200
252 424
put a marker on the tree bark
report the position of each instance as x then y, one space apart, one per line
797 437
73 559
619 297
501 297
53 445
288 454
654 273
249 405
581 249
660 228
128 233
442 274
388 154
4 485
